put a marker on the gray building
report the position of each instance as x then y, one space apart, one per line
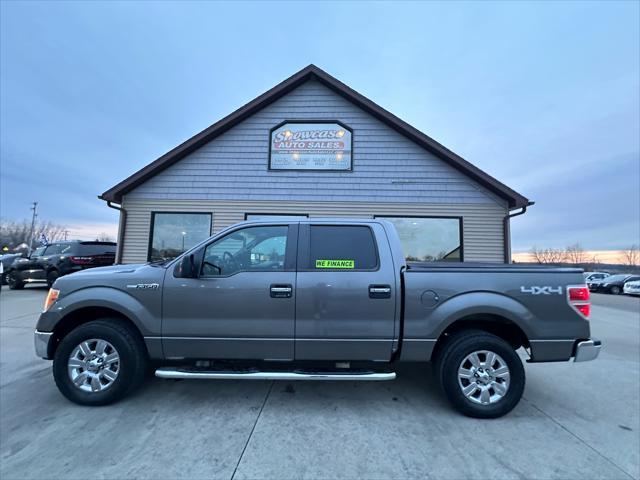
312 146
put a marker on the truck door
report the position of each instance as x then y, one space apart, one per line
242 305
346 293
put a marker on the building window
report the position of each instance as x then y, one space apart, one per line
249 249
342 248
267 216
429 239
174 233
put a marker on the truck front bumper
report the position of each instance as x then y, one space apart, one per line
41 341
587 350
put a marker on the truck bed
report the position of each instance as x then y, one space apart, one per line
534 297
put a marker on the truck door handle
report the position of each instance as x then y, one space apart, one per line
379 291
281 291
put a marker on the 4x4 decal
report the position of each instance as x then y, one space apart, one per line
544 290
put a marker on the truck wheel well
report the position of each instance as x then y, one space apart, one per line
86 315
494 324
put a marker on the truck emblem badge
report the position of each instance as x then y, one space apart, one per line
546 290
144 286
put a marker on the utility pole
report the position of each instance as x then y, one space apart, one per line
33 224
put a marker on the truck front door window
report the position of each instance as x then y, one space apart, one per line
252 248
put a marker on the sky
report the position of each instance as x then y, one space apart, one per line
544 96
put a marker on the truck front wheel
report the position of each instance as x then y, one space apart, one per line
99 362
481 374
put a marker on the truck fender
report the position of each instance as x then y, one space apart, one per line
480 303
148 323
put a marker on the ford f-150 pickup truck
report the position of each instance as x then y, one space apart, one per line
312 299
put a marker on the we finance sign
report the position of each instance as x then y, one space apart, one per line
310 146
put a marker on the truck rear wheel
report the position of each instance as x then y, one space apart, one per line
99 362
481 374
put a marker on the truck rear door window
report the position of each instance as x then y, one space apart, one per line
342 248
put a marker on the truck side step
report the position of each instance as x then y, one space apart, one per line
168 372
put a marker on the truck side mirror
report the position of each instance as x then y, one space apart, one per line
186 268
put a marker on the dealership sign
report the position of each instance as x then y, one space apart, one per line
310 146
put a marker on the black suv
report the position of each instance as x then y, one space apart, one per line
48 263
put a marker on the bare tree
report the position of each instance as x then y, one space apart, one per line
15 233
548 255
632 256
575 254
536 253
52 231
104 237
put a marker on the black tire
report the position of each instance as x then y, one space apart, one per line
14 282
52 276
450 358
615 290
132 366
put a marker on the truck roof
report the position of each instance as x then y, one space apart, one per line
293 219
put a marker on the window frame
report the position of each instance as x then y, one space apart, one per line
153 222
290 260
304 248
437 217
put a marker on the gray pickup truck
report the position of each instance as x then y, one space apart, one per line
316 299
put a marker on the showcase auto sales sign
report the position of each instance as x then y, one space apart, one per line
310 146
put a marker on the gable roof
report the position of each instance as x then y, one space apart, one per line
115 193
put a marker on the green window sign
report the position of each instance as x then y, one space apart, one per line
335 264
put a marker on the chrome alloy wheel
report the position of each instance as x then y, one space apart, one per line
483 377
94 365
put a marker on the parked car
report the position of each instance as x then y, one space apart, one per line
312 299
25 270
613 284
632 287
593 276
46 264
6 260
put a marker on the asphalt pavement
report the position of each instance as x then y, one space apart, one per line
576 421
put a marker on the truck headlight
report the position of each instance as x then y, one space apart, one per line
52 296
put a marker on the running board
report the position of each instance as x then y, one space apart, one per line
166 372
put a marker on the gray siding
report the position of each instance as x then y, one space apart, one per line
387 167
482 222
391 175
